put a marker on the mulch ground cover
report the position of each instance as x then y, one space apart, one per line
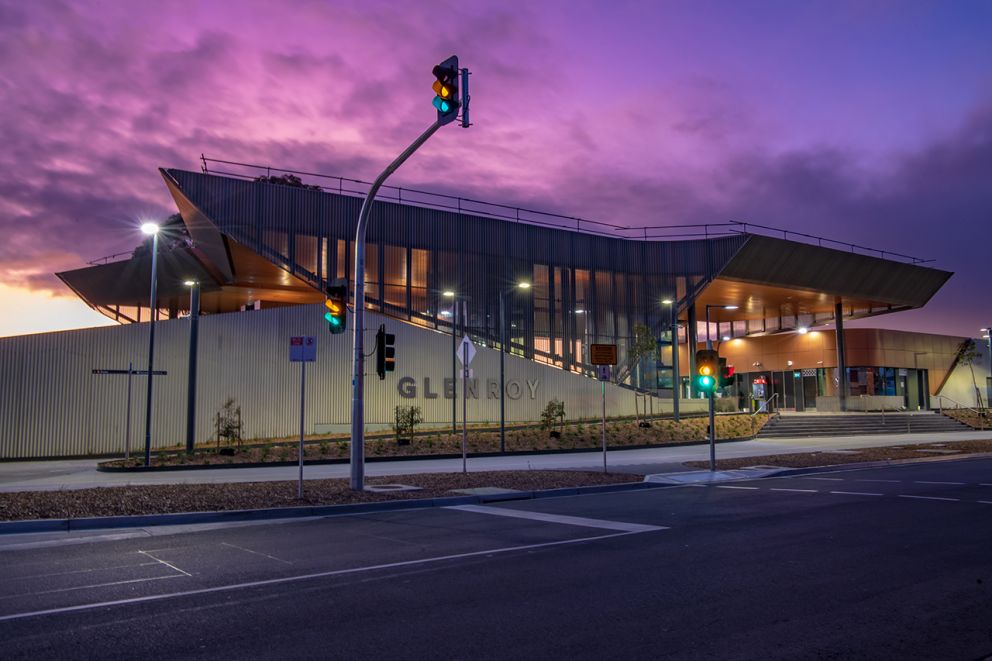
169 498
890 453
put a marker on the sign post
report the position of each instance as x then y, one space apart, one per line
302 350
603 356
467 351
130 371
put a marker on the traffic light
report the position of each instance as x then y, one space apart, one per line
385 352
707 370
446 99
337 308
726 373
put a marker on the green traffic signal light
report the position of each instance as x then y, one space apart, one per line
446 99
337 309
707 369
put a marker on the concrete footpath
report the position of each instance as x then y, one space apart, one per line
82 473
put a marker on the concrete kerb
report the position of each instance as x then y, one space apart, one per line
765 472
184 518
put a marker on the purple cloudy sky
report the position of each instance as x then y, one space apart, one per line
865 121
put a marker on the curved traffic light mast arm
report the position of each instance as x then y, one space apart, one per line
357 376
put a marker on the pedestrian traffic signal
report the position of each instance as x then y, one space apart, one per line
336 306
707 370
726 373
446 99
385 352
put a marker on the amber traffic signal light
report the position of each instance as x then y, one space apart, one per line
336 308
446 99
707 370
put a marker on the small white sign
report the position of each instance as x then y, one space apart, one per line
465 347
468 372
603 372
302 349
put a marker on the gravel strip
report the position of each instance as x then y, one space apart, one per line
171 498
815 459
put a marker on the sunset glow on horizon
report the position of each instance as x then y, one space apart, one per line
864 122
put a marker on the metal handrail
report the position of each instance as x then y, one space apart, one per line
764 405
957 405
345 185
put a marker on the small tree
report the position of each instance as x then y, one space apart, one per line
406 420
969 355
553 416
642 344
228 422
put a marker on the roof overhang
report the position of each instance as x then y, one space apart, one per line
773 277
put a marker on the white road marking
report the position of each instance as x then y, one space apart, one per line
557 518
827 479
796 490
304 577
95 585
77 571
728 486
925 482
264 555
985 502
856 493
170 566
927 497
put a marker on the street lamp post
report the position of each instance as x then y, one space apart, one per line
709 346
194 323
152 230
988 380
454 352
676 377
502 362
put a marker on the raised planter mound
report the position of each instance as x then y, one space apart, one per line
574 437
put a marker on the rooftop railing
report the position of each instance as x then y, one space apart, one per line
428 199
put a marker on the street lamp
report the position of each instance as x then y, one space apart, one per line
151 229
988 389
194 323
709 346
502 360
676 377
447 293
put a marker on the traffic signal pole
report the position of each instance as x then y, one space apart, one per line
709 347
357 374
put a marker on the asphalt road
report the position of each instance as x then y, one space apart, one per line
889 563
82 473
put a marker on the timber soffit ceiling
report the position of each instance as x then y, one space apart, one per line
809 278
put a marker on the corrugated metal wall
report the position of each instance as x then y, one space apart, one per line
52 405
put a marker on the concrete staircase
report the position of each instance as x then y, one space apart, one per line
856 424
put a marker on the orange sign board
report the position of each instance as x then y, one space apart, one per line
603 354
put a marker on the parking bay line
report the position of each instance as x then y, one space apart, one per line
558 518
856 493
305 577
796 490
902 495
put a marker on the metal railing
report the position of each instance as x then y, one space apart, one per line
517 214
763 408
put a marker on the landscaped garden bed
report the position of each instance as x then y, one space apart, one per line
171 498
574 436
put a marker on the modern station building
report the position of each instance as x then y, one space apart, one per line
263 248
